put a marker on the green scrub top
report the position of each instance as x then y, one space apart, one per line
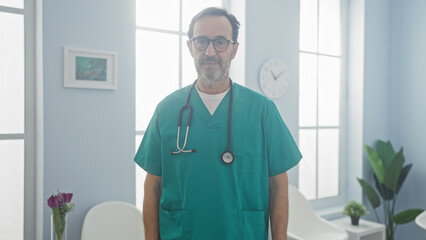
203 198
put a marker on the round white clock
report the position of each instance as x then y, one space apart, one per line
273 78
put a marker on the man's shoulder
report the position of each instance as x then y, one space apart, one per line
250 96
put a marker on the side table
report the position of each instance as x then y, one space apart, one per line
366 230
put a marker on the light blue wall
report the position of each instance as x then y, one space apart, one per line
89 134
407 102
376 71
376 83
395 57
272 31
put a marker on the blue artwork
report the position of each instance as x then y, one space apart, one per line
93 69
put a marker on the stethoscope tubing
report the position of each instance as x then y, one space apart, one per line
187 105
227 156
231 96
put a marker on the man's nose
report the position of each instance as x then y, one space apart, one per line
210 51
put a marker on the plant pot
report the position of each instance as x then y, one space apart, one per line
355 220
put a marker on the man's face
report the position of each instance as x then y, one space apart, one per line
211 65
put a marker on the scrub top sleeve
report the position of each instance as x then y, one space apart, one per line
148 156
282 151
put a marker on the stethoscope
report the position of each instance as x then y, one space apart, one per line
227 156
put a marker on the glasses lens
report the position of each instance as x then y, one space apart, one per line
220 44
201 43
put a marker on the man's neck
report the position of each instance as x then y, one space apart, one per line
219 87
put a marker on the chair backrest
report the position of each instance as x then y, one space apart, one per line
301 213
421 220
299 207
111 221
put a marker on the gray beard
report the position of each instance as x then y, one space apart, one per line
212 79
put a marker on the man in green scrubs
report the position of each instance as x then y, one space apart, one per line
194 194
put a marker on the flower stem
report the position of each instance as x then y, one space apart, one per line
59 223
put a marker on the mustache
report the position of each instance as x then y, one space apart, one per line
208 59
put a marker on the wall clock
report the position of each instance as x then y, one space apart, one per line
273 78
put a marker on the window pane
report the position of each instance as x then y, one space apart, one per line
157 72
308 25
189 74
138 142
308 90
328 162
192 7
12 73
140 178
12 187
329 27
328 91
162 14
12 3
307 167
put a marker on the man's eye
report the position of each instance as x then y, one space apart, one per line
202 41
220 42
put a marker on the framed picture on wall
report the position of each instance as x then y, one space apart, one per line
84 68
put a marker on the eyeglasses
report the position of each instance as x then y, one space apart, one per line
219 44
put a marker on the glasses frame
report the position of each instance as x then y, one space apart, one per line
213 42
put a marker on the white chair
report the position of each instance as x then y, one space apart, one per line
421 220
111 221
305 224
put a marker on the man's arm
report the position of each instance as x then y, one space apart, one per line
151 203
278 206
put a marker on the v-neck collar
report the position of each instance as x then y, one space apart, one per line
201 112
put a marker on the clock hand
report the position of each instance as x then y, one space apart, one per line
281 73
273 75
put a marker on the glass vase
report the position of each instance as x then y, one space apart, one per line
58 234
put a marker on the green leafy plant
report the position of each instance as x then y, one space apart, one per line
389 175
355 209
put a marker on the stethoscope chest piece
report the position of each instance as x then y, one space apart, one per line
227 157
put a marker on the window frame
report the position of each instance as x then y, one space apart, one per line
32 190
320 203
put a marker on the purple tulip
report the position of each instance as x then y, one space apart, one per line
66 197
53 202
56 202
50 201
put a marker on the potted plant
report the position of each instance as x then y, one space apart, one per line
355 210
389 175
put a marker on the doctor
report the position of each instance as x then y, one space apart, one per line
222 173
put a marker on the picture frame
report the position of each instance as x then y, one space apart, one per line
87 68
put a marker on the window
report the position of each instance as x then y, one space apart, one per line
163 62
17 119
320 102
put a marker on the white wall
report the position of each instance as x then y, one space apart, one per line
355 95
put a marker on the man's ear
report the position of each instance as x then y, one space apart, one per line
189 44
234 49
